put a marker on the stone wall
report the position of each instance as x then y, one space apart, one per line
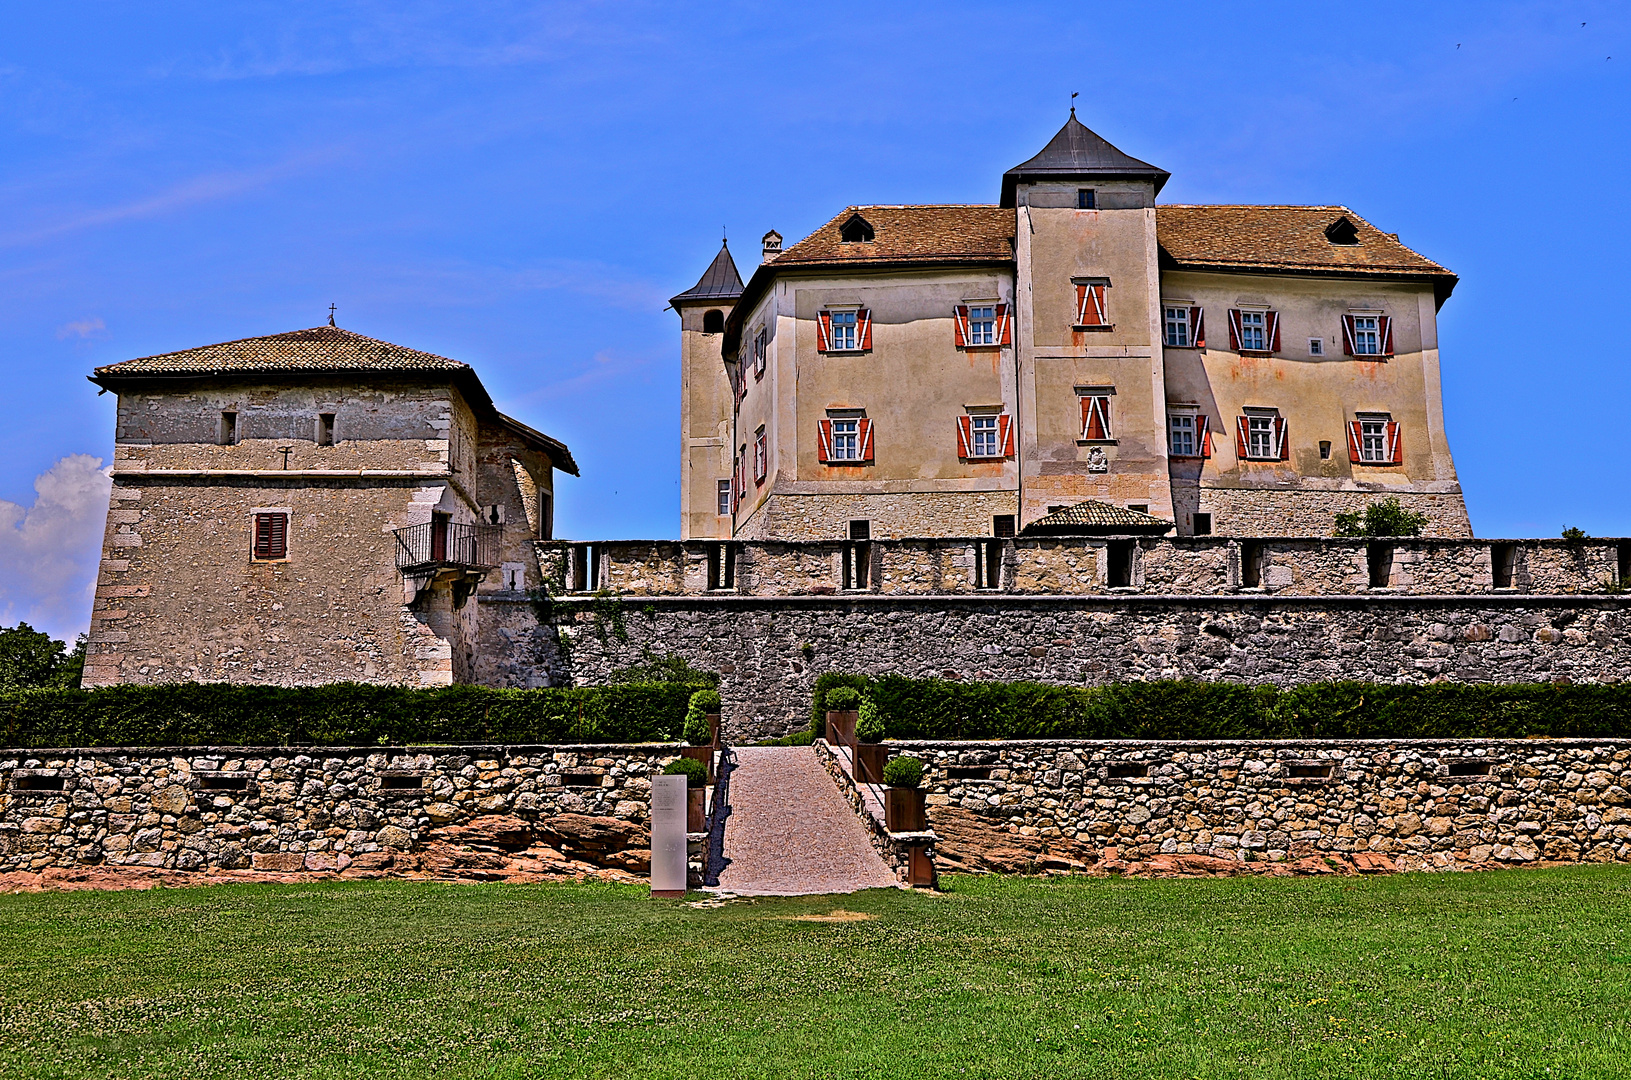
791 515
1421 803
559 808
1311 511
769 651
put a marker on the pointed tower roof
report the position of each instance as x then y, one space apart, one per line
719 282
1077 153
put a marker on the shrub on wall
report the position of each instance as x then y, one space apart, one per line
339 714
946 709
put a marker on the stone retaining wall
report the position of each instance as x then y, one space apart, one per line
453 810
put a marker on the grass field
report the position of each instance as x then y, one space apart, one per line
1509 974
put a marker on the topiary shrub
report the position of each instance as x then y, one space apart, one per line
698 732
825 683
906 772
843 699
869 726
694 771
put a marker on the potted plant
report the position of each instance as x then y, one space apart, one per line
701 728
843 709
696 793
870 753
903 802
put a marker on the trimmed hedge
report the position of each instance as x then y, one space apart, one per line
944 709
339 714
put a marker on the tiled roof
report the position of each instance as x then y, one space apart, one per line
1096 517
1282 238
322 348
719 282
1077 152
911 234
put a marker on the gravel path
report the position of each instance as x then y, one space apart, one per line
789 831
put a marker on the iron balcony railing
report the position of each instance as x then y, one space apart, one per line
442 543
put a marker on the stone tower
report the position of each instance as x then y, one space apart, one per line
705 400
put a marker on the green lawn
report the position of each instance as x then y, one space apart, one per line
1521 973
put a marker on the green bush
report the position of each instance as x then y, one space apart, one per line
338 714
843 699
1384 517
947 709
801 737
825 682
694 771
869 725
698 732
904 772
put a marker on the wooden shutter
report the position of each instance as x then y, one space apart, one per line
1348 338
1197 327
1081 305
1005 435
1096 418
1394 448
864 436
271 536
824 435
959 325
1203 435
761 458
1271 330
1384 326
1090 309
1004 337
1241 444
1234 329
1101 316
823 331
1281 443
965 436
1355 433
863 329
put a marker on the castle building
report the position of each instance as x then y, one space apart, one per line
921 371
311 507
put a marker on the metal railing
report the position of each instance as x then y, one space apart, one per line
441 543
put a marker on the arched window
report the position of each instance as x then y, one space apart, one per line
713 322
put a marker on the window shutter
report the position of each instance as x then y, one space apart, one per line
1348 338
863 331
1203 435
1240 437
1197 327
1005 435
959 325
1353 438
1096 418
1101 316
1234 329
823 331
1081 305
1280 441
1395 446
864 433
1386 328
761 460
1004 337
1090 309
1272 331
965 435
824 435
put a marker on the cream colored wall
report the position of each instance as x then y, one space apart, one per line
1317 396
1056 244
705 424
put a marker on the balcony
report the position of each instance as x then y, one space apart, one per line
440 544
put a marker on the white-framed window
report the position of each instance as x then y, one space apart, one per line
1367 335
846 440
1182 437
983 435
1096 413
1176 321
1316 346
761 347
1253 337
761 456
982 324
843 331
723 506
1373 439
1260 436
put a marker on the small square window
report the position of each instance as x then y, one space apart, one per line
1203 524
1085 199
723 507
1139 508
271 536
1325 449
1002 525
325 429
1316 346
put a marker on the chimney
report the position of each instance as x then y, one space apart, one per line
773 244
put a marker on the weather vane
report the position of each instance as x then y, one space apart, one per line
1073 96
331 314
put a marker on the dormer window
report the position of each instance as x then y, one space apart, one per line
856 230
713 322
1342 231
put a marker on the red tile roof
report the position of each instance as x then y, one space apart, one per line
1282 239
322 348
911 234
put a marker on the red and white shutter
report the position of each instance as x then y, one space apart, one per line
823 331
1082 304
1090 306
863 329
1197 327
1005 435
965 436
1348 338
959 325
1234 329
1203 435
864 435
1101 317
1395 446
824 437
1281 444
1095 418
1271 331
1004 337
1384 326
1241 444
1355 434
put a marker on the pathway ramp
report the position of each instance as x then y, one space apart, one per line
790 833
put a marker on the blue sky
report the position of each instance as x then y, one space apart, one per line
522 186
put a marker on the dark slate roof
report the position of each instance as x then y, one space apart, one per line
322 348
719 282
1077 152
1092 517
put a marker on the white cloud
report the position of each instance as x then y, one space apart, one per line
49 551
82 328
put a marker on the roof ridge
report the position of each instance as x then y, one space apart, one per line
1254 206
